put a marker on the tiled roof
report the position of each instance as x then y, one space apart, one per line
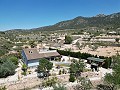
34 53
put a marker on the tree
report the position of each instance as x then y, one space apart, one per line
83 84
7 68
63 71
50 82
77 67
44 66
32 44
78 45
103 87
68 40
60 72
24 68
117 40
14 60
113 80
3 88
72 78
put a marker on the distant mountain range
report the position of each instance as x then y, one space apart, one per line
99 21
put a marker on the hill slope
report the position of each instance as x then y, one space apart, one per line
100 21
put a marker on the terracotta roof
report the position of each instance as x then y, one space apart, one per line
34 53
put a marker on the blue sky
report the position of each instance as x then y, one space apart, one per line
26 14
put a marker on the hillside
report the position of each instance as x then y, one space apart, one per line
111 21
100 21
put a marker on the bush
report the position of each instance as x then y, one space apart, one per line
103 87
14 60
3 88
24 73
59 87
60 72
68 40
24 67
72 78
107 63
7 68
50 82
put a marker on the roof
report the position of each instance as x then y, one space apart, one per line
94 64
35 53
95 59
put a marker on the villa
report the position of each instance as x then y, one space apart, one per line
32 56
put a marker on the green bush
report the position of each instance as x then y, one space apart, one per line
24 67
50 82
3 88
60 72
72 78
59 87
24 73
68 40
14 60
7 68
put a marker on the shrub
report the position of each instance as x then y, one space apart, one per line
50 82
14 59
7 68
3 88
24 73
72 78
59 87
68 40
60 72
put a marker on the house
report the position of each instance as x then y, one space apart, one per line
112 33
32 56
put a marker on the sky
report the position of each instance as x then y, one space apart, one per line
27 14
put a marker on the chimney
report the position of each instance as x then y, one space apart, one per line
30 51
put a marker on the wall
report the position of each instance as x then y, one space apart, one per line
32 63
24 58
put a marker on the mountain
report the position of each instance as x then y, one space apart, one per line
99 21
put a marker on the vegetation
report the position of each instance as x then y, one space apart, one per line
78 45
5 46
103 87
75 69
83 84
24 68
50 82
14 59
68 39
32 44
60 72
3 88
44 66
59 87
113 80
72 78
117 40
7 67
97 22
85 56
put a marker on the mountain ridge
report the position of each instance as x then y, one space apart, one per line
100 21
